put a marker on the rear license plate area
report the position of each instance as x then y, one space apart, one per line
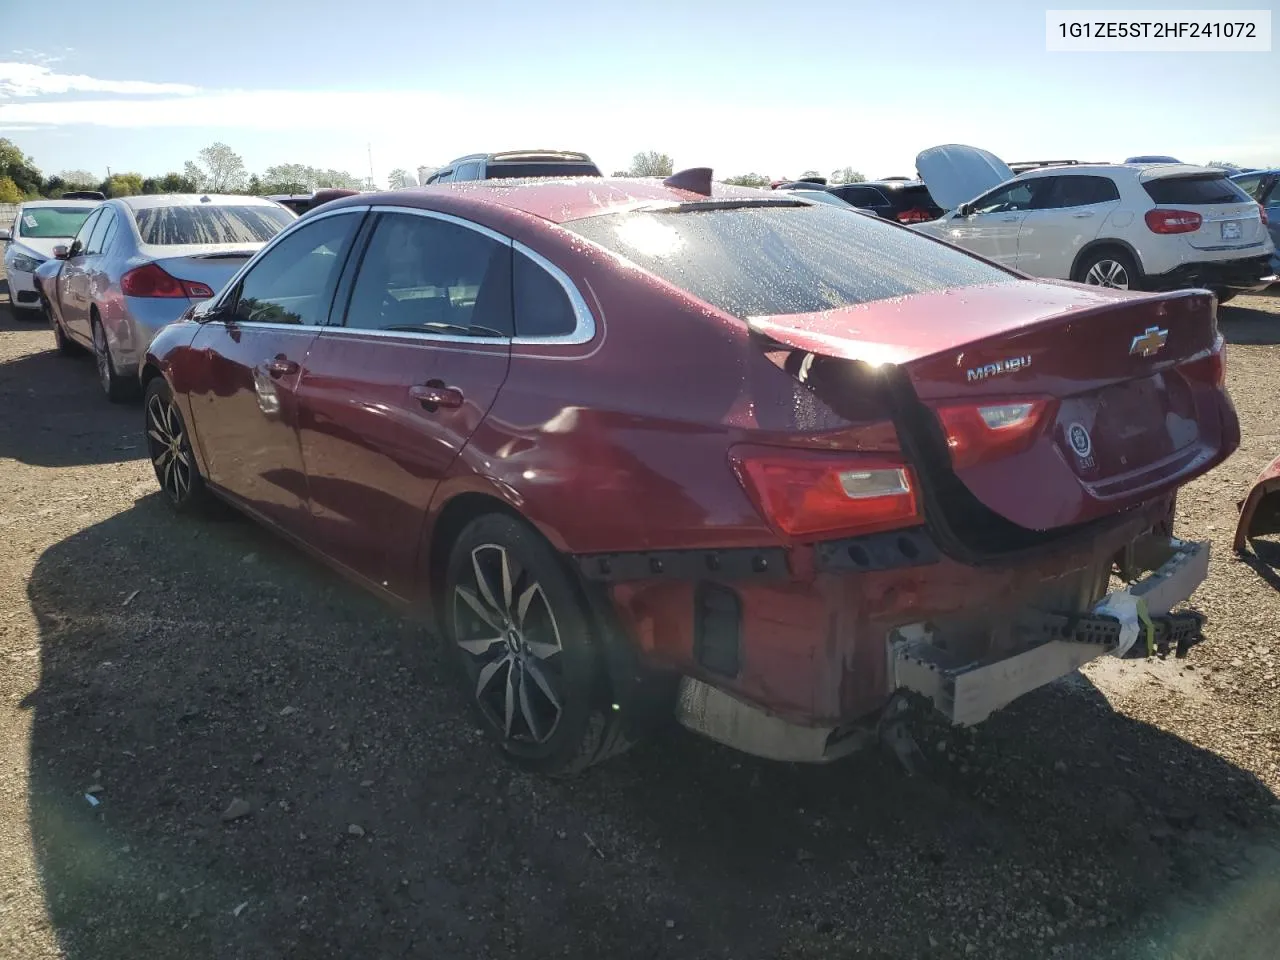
1231 230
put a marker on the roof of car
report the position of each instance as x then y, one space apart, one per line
60 203
556 200
149 200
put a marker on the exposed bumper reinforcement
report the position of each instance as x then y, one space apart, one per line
1056 644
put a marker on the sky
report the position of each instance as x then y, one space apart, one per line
747 87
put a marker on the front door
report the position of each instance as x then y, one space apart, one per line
389 398
256 349
73 280
990 229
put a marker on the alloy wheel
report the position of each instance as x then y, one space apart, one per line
1108 273
167 442
102 354
504 624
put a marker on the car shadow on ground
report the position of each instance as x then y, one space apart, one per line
188 664
1244 323
55 414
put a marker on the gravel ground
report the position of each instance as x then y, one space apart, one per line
179 672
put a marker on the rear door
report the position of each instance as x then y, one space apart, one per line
1230 220
1066 214
394 390
254 352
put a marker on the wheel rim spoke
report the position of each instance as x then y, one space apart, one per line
526 598
478 648
482 582
487 673
526 710
478 607
540 680
510 700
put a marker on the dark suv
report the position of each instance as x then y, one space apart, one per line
905 201
516 163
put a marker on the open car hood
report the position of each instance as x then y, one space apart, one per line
955 173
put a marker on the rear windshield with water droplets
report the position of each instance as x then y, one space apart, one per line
765 261
210 223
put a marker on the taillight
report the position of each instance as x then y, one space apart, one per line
152 280
981 432
804 494
1210 369
914 216
1262 212
1173 221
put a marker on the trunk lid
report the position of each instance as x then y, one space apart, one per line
212 266
1229 218
955 173
1127 388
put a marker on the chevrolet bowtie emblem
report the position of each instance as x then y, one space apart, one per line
1150 342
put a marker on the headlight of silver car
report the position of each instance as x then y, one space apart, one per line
25 264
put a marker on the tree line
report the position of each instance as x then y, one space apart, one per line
217 169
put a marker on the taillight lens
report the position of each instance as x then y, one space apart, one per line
152 280
981 432
1262 212
1173 221
803 494
914 216
1210 369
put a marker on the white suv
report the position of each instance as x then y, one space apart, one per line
1141 226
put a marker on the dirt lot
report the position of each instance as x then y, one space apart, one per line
169 667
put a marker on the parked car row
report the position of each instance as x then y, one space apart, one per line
641 448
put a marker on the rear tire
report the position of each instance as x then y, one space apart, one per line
169 446
113 385
1108 267
527 648
1224 296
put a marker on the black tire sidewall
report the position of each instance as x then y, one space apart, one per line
580 662
116 389
1118 254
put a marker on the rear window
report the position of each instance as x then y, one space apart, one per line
762 261
1213 188
207 223
508 171
918 196
48 223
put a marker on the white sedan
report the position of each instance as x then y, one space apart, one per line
39 226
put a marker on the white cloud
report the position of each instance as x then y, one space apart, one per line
20 79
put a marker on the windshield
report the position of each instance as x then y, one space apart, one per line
48 223
508 170
175 226
762 261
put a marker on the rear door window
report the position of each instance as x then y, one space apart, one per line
1084 191
1191 191
211 224
422 274
769 260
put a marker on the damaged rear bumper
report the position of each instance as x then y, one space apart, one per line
1054 644
1260 510
1044 645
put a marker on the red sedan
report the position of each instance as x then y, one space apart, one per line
644 448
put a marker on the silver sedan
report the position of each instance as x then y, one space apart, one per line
139 262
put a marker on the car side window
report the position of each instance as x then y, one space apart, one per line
1006 199
422 274
467 171
1249 184
99 233
81 241
294 281
112 229
862 196
543 308
1084 191
444 176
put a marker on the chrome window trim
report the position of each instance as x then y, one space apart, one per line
446 217
584 330
297 224
414 335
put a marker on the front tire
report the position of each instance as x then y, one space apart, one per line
64 344
169 444
113 385
1108 267
527 647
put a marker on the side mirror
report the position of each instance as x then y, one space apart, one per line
61 252
5 235
964 210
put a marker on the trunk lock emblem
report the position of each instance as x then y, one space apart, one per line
1150 342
